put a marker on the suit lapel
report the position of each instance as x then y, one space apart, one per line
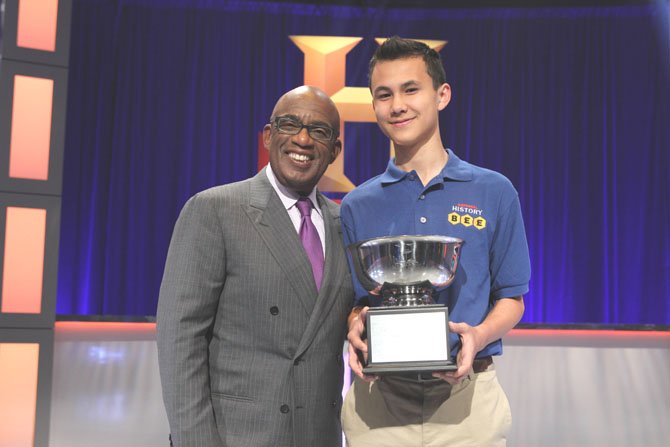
274 226
333 273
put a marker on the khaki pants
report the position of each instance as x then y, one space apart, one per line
400 412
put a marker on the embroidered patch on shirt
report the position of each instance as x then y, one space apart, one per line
467 215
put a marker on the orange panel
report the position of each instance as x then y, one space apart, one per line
18 388
105 327
31 128
24 260
37 24
591 334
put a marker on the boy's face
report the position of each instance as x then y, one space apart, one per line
406 103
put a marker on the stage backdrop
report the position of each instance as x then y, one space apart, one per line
167 98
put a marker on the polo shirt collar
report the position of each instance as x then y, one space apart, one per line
455 169
393 173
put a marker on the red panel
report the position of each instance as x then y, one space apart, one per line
586 333
101 327
79 330
263 154
73 327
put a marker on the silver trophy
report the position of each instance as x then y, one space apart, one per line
409 332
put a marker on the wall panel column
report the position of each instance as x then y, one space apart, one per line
33 95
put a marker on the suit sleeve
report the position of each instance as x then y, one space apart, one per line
361 297
192 282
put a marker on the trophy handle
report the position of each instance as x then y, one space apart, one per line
366 281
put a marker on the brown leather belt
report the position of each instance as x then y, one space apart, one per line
482 364
479 365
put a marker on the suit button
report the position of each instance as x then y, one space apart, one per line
284 409
333 404
274 310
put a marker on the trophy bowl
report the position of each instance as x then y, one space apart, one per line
400 262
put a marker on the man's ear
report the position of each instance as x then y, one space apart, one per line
337 148
443 95
267 130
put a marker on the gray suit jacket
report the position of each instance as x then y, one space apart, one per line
249 353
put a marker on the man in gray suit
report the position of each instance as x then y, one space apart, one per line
250 334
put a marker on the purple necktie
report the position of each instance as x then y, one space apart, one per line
310 239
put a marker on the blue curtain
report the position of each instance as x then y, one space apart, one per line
167 97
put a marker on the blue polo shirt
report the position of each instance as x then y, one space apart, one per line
465 201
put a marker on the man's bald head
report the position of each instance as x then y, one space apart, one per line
312 95
302 138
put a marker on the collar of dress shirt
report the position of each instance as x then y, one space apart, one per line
287 197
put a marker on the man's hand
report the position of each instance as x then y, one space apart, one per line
471 339
505 314
358 348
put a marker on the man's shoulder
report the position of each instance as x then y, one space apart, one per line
234 189
332 206
223 195
365 190
488 177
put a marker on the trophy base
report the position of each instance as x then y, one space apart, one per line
402 368
408 340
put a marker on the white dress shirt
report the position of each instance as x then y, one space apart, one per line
289 199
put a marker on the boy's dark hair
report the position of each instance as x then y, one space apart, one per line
398 48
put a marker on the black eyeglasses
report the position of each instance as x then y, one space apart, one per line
291 126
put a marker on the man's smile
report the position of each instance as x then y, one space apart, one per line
302 159
401 123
